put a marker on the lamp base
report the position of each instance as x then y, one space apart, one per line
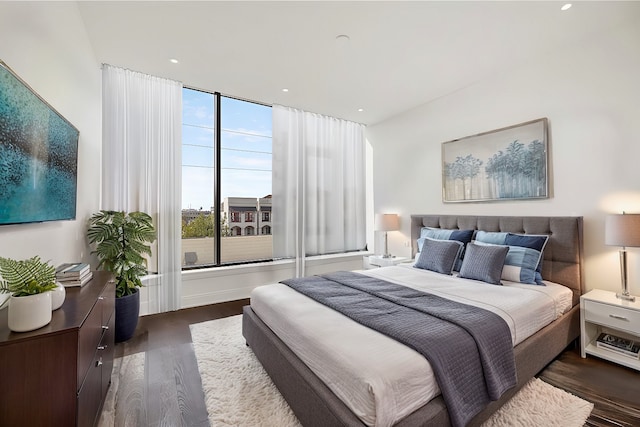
625 297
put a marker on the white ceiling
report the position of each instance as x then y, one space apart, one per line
400 54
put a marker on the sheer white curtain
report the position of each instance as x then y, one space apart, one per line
141 166
318 185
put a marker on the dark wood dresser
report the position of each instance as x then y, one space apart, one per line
58 375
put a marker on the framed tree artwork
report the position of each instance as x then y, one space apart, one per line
502 164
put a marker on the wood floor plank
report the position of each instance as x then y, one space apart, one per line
161 395
191 403
131 408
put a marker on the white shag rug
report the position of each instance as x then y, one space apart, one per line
238 392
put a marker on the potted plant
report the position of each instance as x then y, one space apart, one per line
122 240
29 282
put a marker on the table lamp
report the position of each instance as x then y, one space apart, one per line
386 223
623 230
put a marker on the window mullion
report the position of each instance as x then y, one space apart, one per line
217 143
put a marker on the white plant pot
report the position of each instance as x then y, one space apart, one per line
57 296
30 312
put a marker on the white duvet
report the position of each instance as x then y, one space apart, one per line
379 379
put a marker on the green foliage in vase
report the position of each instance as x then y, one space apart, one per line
27 277
122 240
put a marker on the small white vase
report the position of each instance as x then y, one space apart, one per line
57 296
30 312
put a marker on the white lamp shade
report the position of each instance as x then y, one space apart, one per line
623 230
387 222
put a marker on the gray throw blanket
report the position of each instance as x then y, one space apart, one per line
469 348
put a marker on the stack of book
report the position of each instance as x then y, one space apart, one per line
622 346
73 274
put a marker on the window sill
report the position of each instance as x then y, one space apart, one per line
232 270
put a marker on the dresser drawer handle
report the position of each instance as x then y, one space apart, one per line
105 328
99 362
615 316
100 298
102 347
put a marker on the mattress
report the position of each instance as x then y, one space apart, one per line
379 379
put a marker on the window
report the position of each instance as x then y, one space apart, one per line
226 163
266 230
266 216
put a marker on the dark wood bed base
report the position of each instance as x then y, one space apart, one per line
315 404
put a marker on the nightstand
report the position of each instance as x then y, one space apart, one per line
601 311
375 261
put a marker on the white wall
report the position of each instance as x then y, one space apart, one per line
47 46
591 96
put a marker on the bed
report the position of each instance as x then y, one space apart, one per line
315 404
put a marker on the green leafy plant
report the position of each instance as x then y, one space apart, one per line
28 277
122 239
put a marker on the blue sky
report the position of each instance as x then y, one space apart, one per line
246 149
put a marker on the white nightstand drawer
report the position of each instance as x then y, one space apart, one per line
615 317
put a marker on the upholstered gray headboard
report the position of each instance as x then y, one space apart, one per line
563 254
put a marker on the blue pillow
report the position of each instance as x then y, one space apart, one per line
519 264
439 255
495 238
536 242
533 241
463 236
484 263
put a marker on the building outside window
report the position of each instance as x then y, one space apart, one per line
225 159
266 216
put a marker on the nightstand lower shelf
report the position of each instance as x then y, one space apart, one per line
612 356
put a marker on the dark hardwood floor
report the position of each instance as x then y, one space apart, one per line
614 389
172 394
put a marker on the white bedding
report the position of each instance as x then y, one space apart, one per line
379 379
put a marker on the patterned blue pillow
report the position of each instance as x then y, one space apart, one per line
439 255
533 241
522 261
484 263
493 237
463 236
519 264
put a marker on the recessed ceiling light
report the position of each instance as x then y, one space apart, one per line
361 109
173 61
566 6
285 90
